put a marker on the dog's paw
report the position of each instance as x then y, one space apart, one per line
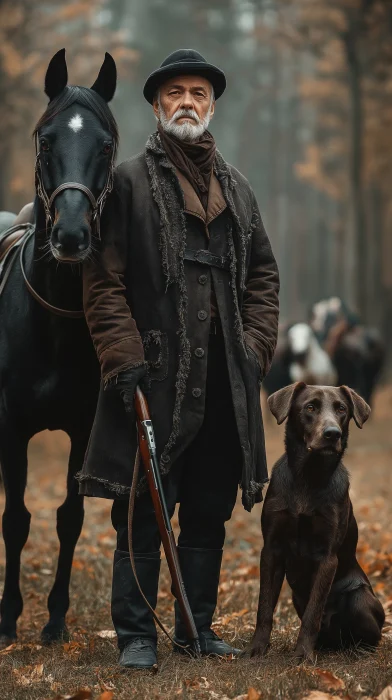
257 649
304 655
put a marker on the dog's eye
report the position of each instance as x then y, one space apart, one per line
341 408
310 407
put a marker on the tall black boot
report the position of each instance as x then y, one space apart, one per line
132 619
200 570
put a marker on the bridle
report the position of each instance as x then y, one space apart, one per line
97 204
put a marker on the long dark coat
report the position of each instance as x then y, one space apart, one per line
143 301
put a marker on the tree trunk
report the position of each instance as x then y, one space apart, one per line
356 203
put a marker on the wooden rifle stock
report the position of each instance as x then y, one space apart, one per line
151 466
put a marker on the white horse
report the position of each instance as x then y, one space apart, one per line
309 362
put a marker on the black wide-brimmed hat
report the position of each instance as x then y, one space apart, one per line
184 62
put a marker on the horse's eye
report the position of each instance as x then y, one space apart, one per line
107 148
310 408
44 145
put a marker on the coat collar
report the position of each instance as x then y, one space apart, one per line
216 202
221 168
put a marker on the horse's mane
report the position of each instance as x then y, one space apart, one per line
83 96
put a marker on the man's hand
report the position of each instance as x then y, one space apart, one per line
126 382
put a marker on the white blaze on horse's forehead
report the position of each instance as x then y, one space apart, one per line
299 337
76 123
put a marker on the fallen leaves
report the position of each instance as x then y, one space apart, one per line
386 694
73 648
226 619
328 681
252 694
106 634
26 675
79 695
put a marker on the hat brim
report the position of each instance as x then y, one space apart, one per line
206 70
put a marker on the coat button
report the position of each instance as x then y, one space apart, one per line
202 315
199 352
202 279
196 393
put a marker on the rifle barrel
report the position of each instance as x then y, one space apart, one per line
150 462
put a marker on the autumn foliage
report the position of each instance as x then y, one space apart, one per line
30 33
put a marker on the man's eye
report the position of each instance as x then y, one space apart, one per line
310 408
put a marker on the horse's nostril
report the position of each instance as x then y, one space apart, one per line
332 433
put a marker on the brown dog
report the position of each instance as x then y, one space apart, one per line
309 529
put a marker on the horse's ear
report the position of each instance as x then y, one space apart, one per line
56 77
105 84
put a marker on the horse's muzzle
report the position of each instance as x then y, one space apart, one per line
70 246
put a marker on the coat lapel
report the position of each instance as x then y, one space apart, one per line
216 202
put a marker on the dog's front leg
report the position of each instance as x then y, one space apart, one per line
272 571
312 617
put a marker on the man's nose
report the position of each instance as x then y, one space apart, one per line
187 102
332 433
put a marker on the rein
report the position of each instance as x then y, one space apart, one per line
49 307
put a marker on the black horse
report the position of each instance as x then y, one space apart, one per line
7 219
49 375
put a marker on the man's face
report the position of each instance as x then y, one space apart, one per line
184 106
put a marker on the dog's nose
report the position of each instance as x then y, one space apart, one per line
332 433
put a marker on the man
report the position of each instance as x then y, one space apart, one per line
184 294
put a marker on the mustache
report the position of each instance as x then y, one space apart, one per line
184 113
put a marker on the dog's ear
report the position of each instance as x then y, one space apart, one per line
360 410
280 402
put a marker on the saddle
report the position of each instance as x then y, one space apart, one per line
10 241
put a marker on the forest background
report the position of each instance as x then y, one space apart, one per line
306 117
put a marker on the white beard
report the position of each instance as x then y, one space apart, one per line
187 131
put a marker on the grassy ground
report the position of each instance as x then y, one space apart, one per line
29 671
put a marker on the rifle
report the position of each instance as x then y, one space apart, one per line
148 453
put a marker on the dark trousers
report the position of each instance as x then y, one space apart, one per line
204 480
